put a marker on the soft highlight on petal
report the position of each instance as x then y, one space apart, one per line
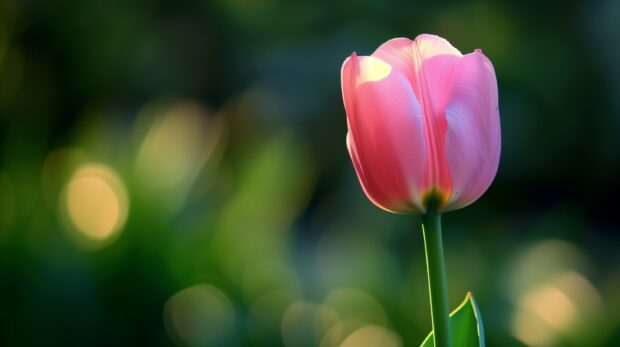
372 70
433 45
385 138
399 52
473 139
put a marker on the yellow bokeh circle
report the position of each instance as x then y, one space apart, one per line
94 205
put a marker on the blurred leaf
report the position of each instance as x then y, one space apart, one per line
466 325
273 187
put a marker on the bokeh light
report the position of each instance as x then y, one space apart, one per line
305 324
372 336
177 140
356 310
356 304
540 262
95 202
555 305
201 315
264 319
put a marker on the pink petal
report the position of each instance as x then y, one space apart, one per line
398 54
427 63
473 138
432 45
385 137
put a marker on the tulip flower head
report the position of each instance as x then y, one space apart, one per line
423 124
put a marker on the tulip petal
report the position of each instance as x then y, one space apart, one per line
473 138
385 137
428 63
402 53
397 53
432 45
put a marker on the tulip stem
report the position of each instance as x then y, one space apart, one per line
437 285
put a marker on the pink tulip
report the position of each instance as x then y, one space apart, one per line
423 120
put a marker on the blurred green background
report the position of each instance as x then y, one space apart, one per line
175 173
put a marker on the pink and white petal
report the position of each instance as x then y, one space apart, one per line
473 138
426 62
435 60
385 127
432 45
398 53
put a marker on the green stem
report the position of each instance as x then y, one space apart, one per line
437 286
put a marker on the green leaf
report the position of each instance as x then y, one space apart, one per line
465 324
